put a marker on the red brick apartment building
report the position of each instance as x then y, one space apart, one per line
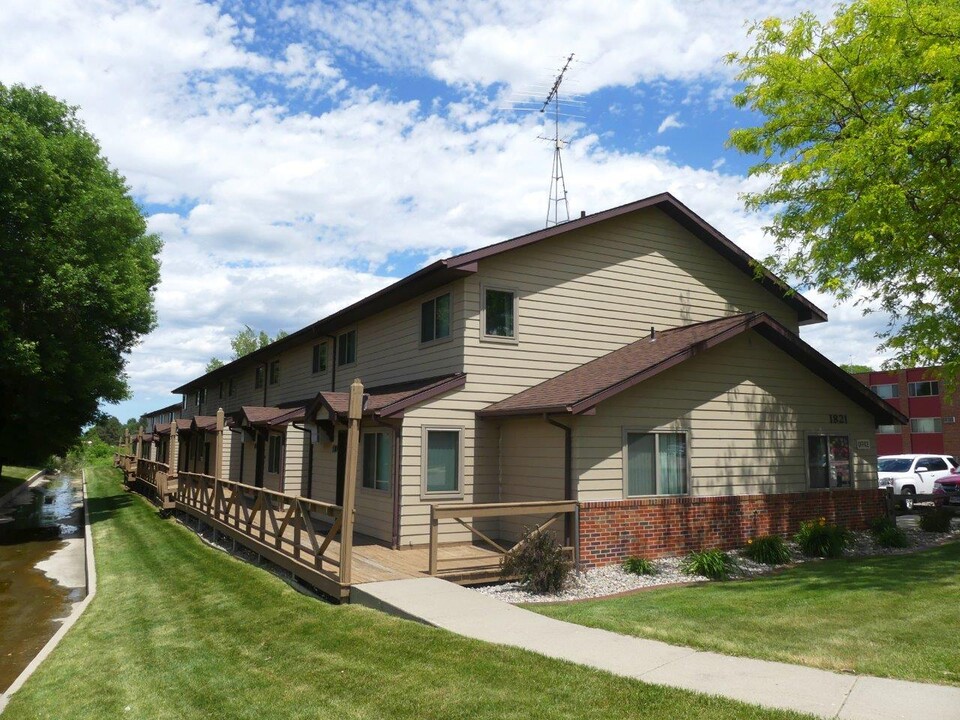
917 393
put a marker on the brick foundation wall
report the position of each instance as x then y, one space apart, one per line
663 527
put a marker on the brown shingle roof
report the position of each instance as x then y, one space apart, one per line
444 271
256 415
162 429
581 389
388 400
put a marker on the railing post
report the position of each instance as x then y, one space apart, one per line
434 538
218 462
354 412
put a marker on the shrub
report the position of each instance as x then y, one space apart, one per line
891 537
936 521
882 524
714 564
539 563
822 539
639 566
767 549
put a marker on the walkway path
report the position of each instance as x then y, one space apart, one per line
770 684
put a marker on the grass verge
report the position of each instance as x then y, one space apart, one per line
14 476
885 616
180 630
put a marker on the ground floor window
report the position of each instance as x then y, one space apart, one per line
656 463
442 461
273 454
377 456
828 461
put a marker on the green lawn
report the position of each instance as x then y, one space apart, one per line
180 630
886 616
13 476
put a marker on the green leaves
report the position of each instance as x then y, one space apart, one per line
77 277
860 143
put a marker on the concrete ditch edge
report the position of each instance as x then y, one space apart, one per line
22 487
78 609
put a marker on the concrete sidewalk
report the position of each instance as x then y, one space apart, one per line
760 682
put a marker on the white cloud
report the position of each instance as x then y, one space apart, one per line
670 121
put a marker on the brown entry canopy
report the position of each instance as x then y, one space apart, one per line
580 390
388 400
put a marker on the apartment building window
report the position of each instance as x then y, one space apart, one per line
499 313
258 374
201 396
828 461
926 425
442 455
273 454
435 319
320 357
230 388
221 390
347 348
183 403
274 372
656 463
924 388
888 429
887 391
377 460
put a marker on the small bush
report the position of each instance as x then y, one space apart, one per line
539 564
818 538
891 537
936 521
882 524
639 566
714 564
767 549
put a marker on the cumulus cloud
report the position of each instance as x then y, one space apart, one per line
670 121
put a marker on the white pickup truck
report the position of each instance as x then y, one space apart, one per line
911 475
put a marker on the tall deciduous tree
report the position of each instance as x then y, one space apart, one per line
861 145
77 276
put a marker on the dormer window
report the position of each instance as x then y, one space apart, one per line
435 319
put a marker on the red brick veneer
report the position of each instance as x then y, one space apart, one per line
662 527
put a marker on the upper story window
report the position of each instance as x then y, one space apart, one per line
656 463
320 357
435 319
887 391
258 376
184 403
201 396
230 388
888 429
926 425
274 372
347 348
924 388
221 389
499 313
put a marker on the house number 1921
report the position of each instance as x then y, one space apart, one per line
838 419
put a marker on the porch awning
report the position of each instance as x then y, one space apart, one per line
162 429
388 400
580 390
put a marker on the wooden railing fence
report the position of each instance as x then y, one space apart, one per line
556 509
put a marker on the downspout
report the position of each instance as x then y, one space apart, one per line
570 527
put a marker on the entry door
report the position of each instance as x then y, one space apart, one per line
258 475
206 458
341 463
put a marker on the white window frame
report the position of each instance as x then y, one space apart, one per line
446 338
657 432
356 347
851 445
443 494
511 340
390 478
936 422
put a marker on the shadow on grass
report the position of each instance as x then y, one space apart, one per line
105 507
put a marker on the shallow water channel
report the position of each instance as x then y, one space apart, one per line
41 570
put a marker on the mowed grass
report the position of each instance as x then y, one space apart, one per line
14 476
180 630
887 616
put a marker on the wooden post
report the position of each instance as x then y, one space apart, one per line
218 463
139 452
174 453
354 412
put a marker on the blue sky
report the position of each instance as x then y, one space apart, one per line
297 156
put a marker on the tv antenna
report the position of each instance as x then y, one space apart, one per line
567 106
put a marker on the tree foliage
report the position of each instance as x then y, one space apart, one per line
105 428
245 342
77 276
861 145
853 368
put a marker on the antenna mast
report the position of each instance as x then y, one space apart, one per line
558 187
